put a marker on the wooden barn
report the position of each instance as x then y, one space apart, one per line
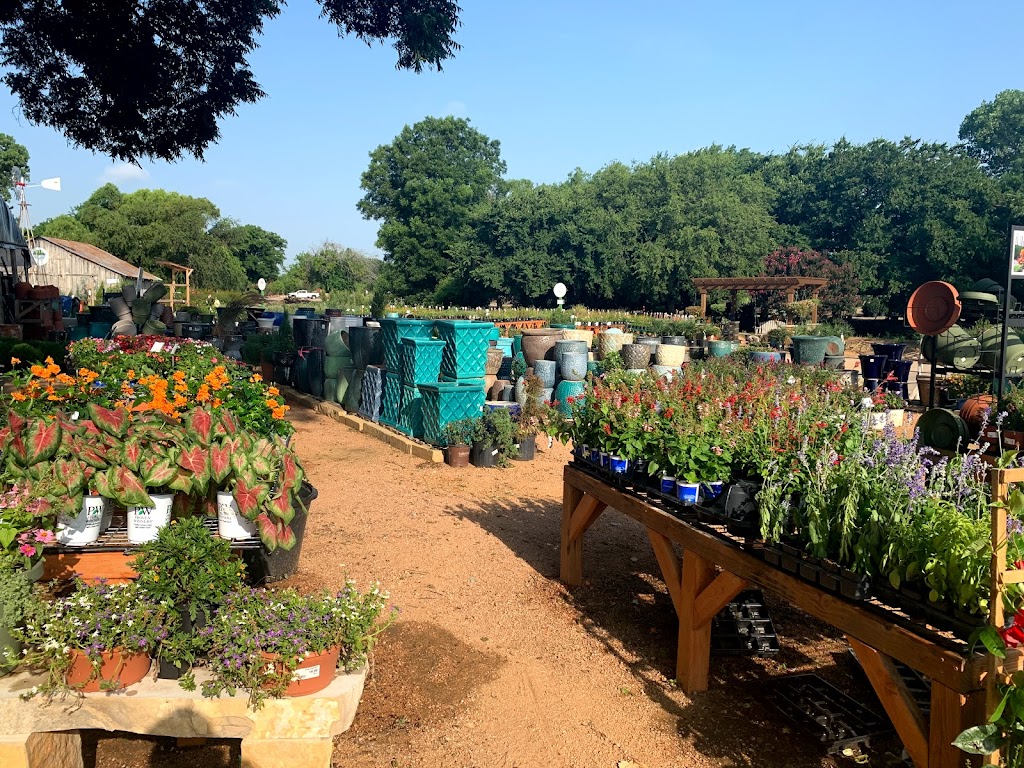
80 269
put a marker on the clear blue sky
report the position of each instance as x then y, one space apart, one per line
565 84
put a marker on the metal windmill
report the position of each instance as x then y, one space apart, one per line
20 184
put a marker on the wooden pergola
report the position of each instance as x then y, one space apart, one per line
178 270
736 284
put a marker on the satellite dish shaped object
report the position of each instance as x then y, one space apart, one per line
39 257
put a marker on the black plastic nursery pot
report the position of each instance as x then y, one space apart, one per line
263 566
167 670
527 449
483 455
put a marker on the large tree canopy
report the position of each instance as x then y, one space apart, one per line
425 187
152 78
994 133
153 225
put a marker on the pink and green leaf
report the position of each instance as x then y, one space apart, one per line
113 422
281 507
291 472
182 481
267 530
42 440
220 462
128 488
132 454
200 425
286 538
158 472
196 460
248 498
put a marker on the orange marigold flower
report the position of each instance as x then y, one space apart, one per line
15 360
55 398
273 391
203 393
131 373
178 375
19 397
272 403
257 377
278 413
38 370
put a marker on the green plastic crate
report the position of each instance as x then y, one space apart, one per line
421 361
392 399
465 352
446 402
410 418
393 330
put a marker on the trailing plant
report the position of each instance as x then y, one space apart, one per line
93 620
253 624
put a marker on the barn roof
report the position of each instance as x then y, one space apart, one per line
100 257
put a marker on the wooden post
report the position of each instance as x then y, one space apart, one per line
703 302
693 655
952 713
814 307
571 566
1000 492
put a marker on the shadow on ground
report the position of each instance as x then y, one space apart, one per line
623 603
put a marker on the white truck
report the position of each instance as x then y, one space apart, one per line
304 295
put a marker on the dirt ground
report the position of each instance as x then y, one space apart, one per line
494 663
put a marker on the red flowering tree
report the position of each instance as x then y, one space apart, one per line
839 298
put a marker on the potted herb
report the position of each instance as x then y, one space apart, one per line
98 638
189 572
458 436
281 643
495 439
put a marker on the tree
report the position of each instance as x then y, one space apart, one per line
152 79
153 225
260 252
993 133
330 267
425 187
839 298
12 155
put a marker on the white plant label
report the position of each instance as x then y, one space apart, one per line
306 674
158 346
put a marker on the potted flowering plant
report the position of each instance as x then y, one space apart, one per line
26 526
281 643
98 638
16 600
458 436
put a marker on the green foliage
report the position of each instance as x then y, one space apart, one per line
146 97
993 133
30 352
16 600
497 429
261 253
187 566
379 305
425 187
260 347
460 432
153 225
12 155
329 267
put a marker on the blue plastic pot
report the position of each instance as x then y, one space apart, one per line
688 493
619 466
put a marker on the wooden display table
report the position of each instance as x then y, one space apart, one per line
699 590
296 732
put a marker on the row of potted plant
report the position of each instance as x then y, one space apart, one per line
829 484
190 609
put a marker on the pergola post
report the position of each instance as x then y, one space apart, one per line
814 307
703 302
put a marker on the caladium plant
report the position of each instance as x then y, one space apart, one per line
127 456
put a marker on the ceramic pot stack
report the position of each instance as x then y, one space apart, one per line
141 313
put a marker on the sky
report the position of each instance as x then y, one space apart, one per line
565 84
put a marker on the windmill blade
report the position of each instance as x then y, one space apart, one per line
52 184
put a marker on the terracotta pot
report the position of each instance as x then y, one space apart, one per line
118 667
494 358
457 456
313 674
973 411
539 344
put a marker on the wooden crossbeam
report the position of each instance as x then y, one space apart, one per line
906 716
586 512
716 596
671 568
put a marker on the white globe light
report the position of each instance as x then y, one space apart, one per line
560 290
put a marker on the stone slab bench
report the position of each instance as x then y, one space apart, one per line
295 732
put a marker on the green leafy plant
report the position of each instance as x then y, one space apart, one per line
17 601
498 430
189 572
460 432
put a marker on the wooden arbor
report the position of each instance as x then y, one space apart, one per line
737 284
713 570
185 273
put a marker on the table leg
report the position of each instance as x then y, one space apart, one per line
694 652
571 567
952 713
